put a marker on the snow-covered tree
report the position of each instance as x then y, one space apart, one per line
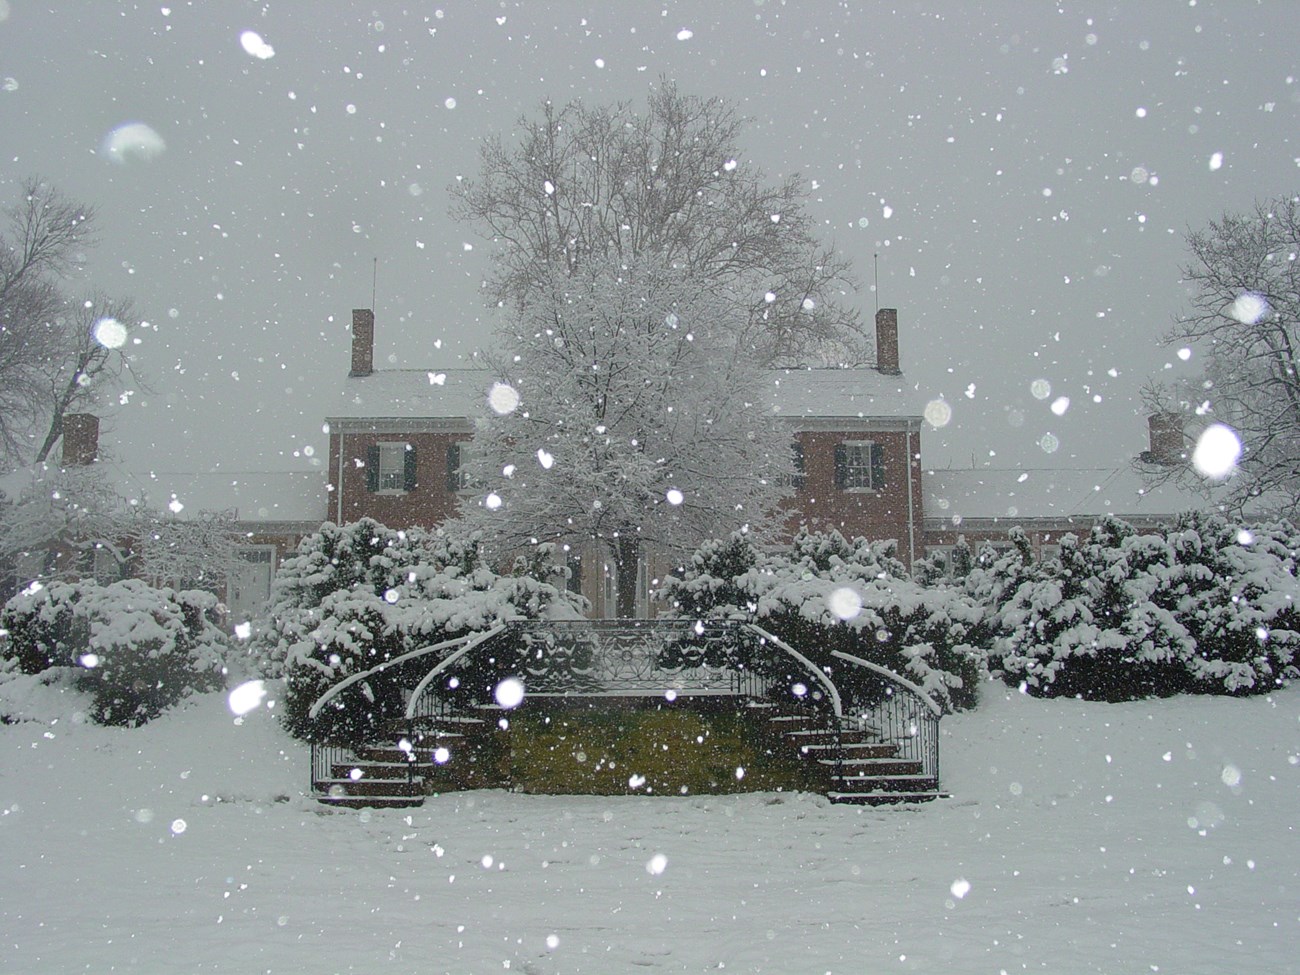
59 516
1244 321
606 185
625 417
198 552
58 352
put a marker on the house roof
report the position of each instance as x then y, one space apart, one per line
1011 494
462 394
413 393
841 393
254 496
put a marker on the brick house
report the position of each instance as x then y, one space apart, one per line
397 438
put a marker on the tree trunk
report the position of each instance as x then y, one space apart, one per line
627 556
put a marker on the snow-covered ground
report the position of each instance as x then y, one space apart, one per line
1149 837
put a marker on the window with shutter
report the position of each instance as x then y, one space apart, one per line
458 456
800 477
390 468
859 466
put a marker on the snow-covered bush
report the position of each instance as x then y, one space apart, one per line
1206 607
1235 590
137 650
357 596
39 625
828 594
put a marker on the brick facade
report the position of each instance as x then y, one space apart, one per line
429 500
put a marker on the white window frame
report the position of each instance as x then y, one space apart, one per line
853 451
390 452
464 455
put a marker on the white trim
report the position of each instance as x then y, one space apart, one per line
870 487
865 423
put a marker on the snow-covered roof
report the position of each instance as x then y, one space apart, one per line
413 393
253 496
1057 492
462 394
841 393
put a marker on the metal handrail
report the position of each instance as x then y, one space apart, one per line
347 682
447 662
811 667
890 675
904 716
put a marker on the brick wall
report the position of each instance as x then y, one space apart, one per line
428 503
873 514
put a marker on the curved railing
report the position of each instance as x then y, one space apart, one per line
894 709
668 657
626 658
473 639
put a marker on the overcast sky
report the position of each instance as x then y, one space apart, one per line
1025 171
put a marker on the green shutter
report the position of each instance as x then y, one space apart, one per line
800 472
408 468
453 467
877 466
372 468
841 466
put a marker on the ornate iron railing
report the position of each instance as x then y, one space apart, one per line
894 710
669 658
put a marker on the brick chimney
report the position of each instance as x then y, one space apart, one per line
80 439
1168 445
887 341
363 342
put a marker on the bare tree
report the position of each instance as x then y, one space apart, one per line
56 355
199 552
1245 321
607 183
623 418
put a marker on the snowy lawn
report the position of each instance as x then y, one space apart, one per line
1148 837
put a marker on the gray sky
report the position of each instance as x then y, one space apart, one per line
1026 172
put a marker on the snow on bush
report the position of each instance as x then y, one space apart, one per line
827 594
357 596
135 649
1205 607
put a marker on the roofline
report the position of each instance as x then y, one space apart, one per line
400 424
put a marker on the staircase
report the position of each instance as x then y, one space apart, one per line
445 755
876 743
854 765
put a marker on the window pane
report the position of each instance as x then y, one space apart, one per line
392 459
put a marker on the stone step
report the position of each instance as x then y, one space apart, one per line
885 798
382 770
370 787
371 802
873 766
815 736
393 755
885 783
859 749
